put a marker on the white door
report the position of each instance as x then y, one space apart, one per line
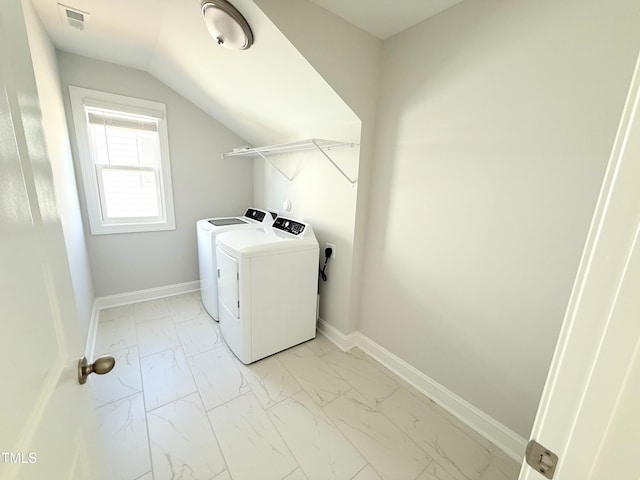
47 424
590 410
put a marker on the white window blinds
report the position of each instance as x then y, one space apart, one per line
123 152
126 153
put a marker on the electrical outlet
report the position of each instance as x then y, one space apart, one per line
333 249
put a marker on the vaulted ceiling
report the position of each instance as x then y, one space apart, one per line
384 18
266 94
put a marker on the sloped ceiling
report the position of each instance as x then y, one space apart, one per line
266 94
384 18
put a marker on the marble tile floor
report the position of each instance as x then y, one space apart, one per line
179 405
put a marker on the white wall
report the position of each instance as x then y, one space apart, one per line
495 124
203 184
45 68
349 61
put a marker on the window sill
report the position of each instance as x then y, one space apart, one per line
131 228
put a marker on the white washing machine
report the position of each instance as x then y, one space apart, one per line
267 288
208 229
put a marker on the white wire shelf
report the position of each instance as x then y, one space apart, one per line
323 146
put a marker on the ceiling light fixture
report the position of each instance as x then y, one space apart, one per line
226 24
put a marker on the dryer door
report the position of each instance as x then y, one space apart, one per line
228 283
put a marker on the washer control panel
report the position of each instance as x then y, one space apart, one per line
289 226
254 214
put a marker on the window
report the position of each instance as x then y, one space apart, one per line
124 158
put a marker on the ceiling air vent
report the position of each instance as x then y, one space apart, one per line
72 16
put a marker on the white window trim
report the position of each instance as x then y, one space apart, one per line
84 96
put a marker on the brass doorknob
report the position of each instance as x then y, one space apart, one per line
101 365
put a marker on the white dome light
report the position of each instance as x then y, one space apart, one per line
226 24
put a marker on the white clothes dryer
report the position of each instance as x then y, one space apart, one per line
268 285
207 230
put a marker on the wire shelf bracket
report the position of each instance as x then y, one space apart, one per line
323 146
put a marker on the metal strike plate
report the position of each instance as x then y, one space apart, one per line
540 459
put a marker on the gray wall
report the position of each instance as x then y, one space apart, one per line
495 124
203 184
45 69
349 61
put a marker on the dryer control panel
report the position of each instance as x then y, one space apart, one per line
289 226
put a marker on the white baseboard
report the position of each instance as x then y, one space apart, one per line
148 294
342 341
510 442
